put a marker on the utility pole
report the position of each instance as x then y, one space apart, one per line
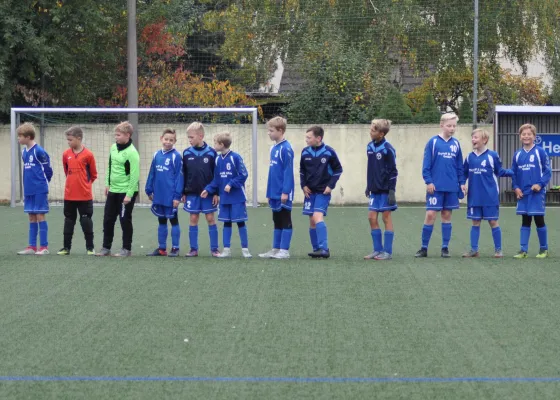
475 68
132 69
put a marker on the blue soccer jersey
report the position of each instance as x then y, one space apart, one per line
165 180
281 171
198 168
37 170
319 167
443 164
382 167
482 171
530 167
230 170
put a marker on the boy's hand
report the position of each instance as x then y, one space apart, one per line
175 203
184 198
431 188
227 188
151 197
126 200
204 194
284 198
464 189
391 199
306 191
215 200
536 187
367 193
518 193
327 191
106 190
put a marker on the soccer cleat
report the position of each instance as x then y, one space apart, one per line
246 253
157 253
174 252
372 255
321 253
193 253
104 252
123 253
226 253
90 252
543 253
43 251
281 254
215 253
421 253
27 251
383 255
498 254
63 252
445 252
269 254
471 254
521 254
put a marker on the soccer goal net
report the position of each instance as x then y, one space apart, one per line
98 126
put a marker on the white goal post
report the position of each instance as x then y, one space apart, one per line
84 116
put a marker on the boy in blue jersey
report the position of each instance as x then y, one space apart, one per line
230 175
442 171
482 169
531 175
280 189
381 181
199 162
319 170
164 187
37 174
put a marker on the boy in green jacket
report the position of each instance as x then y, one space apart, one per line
121 189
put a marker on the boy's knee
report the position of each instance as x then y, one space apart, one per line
210 219
494 223
193 219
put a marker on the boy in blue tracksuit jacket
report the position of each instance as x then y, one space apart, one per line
164 187
442 171
230 175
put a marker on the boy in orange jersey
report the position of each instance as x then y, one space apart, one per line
81 172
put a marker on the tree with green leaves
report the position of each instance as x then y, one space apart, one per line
429 113
395 108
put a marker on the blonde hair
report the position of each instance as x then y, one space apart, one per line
171 131
381 125
196 127
278 123
125 127
75 131
26 129
532 127
224 138
448 117
484 135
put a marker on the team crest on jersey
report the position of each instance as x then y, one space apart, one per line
323 160
378 156
205 160
167 161
532 158
228 166
31 158
483 163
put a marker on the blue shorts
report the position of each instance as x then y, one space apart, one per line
378 202
163 211
317 202
532 204
36 203
442 201
277 205
233 212
195 204
487 213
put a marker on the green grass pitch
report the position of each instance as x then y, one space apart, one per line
80 316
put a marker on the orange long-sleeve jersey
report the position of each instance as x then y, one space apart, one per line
80 172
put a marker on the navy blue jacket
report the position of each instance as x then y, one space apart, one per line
198 168
319 167
382 167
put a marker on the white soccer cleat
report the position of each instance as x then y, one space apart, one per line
26 252
42 252
246 253
282 254
269 254
226 253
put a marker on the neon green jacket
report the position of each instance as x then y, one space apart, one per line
124 169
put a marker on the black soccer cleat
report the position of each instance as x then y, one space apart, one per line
421 253
445 252
320 253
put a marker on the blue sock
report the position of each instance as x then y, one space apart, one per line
313 237
244 236
33 230
426 235
322 237
543 240
43 233
475 237
277 238
389 235
524 238
213 233
377 241
497 236
175 236
286 239
162 236
445 234
193 237
226 236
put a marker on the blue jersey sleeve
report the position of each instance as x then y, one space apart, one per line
499 171
460 169
288 170
336 168
151 176
179 178
45 161
302 172
514 170
238 181
213 186
466 169
392 168
546 171
427 164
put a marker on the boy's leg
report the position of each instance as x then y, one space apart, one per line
43 231
496 236
376 234
226 235
193 231
446 228
163 231
110 215
33 231
243 234
286 224
321 228
389 232
475 234
85 208
428 227
70 216
212 232
277 234
175 233
313 234
125 217
542 232
525 232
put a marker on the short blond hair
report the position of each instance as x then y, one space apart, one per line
125 127
75 131
381 125
277 123
224 138
171 131
27 130
483 134
448 117
532 127
196 127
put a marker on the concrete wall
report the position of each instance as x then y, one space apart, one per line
349 141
